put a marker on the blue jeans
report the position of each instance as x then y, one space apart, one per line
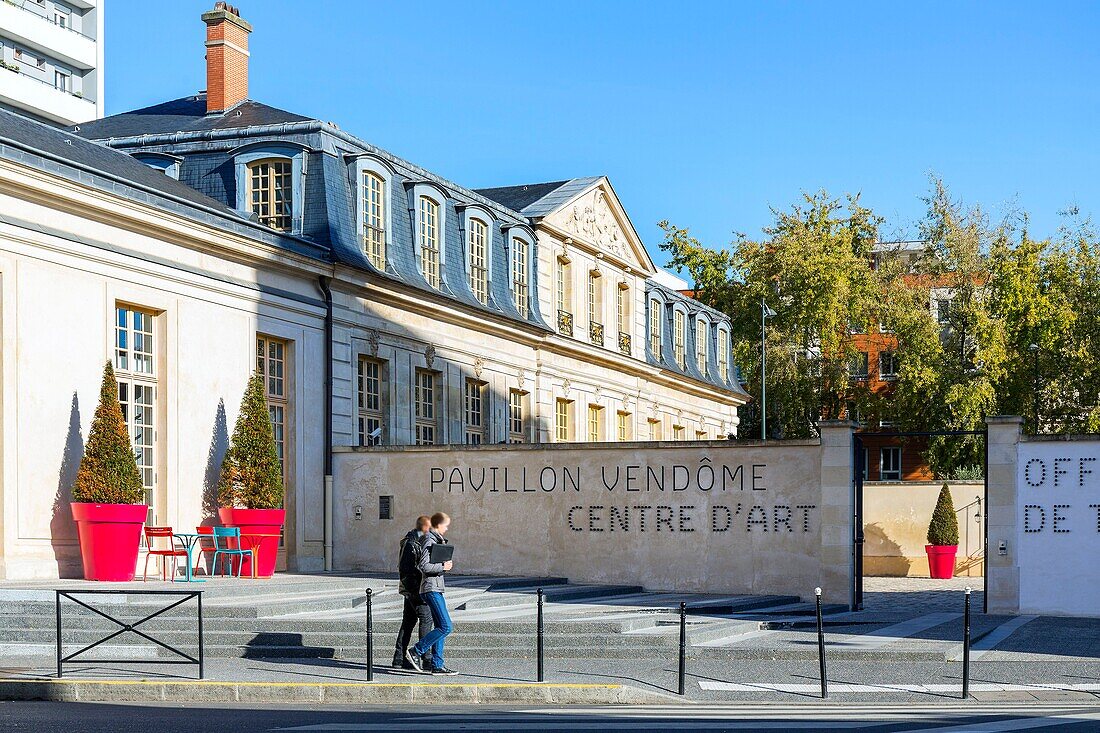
443 627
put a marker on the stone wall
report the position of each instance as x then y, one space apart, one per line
708 516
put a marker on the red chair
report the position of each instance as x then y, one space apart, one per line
207 536
151 535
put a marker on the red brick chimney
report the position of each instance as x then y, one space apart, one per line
226 57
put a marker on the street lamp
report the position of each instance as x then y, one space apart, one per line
765 314
1034 349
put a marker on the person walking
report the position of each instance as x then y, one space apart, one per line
431 591
415 610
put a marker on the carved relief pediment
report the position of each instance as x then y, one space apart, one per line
591 218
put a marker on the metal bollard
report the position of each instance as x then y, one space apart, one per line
540 646
370 635
966 646
821 647
683 648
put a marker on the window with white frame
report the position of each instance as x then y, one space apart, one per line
520 276
517 427
655 330
62 81
654 429
623 426
271 363
426 407
702 337
887 365
270 192
374 218
429 240
679 327
474 396
595 299
890 463
371 387
62 16
136 373
622 316
723 354
478 253
563 420
595 423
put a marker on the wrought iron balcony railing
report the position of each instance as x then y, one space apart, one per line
624 343
565 323
595 333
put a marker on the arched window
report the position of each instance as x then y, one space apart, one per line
521 275
478 255
679 337
723 354
429 239
702 339
656 335
270 192
374 218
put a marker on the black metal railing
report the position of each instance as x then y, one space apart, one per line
565 323
125 626
624 343
595 332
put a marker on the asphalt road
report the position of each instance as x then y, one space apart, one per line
41 717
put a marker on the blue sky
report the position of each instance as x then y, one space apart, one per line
704 113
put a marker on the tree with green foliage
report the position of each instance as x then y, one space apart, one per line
108 472
252 475
943 530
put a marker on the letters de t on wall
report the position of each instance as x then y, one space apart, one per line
721 519
1058 526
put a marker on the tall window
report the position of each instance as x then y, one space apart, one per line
723 354
564 296
520 276
516 426
429 240
622 424
136 372
890 463
479 259
622 314
887 365
271 356
427 424
62 81
475 411
702 337
270 192
563 420
654 429
595 423
857 366
374 218
655 335
370 384
679 326
595 300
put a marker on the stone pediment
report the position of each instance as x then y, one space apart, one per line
595 217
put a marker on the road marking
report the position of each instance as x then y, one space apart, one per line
802 689
1002 726
477 723
896 632
985 645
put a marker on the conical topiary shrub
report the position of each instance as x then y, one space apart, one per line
943 530
252 477
108 471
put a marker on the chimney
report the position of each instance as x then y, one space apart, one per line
226 57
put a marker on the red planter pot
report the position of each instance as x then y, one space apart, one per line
257 522
110 535
941 560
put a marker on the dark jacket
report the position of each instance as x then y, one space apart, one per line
432 572
408 559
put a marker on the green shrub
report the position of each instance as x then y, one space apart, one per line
252 476
108 472
944 527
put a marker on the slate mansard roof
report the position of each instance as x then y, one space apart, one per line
205 145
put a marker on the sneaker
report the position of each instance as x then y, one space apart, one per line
445 671
413 659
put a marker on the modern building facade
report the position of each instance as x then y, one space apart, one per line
206 237
51 59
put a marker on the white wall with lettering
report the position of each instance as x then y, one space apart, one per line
1058 526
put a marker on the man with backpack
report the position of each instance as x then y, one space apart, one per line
415 610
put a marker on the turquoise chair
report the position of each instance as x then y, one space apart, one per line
228 550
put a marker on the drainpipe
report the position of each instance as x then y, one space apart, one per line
323 282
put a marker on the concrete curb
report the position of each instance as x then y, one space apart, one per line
379 693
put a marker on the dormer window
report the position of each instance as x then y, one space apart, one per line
374 218
429 240
520 276
478 255
723 354
270 192
679 331
656 334
702 336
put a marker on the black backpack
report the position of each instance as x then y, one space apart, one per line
408 559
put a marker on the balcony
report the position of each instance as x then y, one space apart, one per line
565 323
23 23
25 91
595 333
624 343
